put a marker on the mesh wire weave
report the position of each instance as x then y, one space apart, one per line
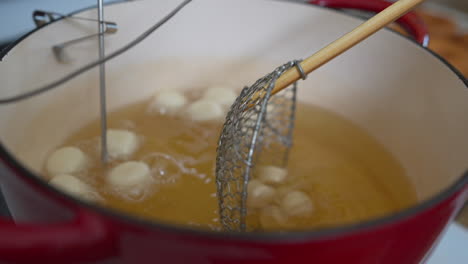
258 130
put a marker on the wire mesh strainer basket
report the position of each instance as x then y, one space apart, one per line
258 130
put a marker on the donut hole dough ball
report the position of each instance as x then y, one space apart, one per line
66 160
73 186
259 195
167 102
222 95
205 110
272 217
272 174
121 143
129 175
297 204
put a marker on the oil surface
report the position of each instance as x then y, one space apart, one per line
348 175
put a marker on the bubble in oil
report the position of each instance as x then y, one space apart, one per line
138 194
91 148
196 139
166 169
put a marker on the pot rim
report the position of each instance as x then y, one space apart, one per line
268 237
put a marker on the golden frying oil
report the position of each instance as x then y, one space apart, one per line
348 175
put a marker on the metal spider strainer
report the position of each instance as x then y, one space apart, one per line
258 130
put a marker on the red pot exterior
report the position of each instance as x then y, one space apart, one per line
112 239
406 241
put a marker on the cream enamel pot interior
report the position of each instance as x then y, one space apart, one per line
404 95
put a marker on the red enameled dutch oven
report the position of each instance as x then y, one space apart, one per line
407 97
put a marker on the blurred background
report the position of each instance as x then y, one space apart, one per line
459 4
447 22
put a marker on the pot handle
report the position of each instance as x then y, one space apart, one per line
84 238
411 22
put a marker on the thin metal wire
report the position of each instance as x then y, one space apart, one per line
74 41
298 65
102 84
38 17
59 49
91 65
